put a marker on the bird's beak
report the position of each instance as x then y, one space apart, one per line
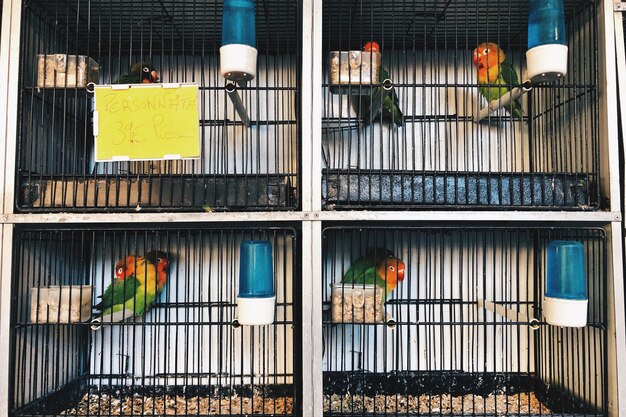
154 76
475 59
401 271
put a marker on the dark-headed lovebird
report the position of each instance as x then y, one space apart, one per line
162 260
378 266
134 287
141 72
495 69
390 106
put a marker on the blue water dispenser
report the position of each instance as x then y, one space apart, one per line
546 57
256 297
565 302
238 52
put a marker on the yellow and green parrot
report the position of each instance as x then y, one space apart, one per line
134 288
496 70
390 106
140 73
378 266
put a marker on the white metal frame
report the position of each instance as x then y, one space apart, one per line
312 216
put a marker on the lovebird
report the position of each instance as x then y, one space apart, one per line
378 266
162 260
494 68
134 287
142 72
390 106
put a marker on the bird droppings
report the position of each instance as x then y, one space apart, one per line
499 404
105 404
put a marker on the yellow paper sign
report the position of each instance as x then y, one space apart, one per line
146 122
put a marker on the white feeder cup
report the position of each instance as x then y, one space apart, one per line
238 62
546 63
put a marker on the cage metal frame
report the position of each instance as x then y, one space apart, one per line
312 215
71 185
363 382
125 234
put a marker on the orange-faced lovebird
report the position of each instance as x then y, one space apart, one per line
141 72
162 260
390 106
134 287
379 267
496 75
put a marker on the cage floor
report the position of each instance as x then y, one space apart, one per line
346 189
178 191
446 392
522 403
175 400
104 404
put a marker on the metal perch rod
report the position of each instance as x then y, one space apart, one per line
505 100
377 104
508 313
231 89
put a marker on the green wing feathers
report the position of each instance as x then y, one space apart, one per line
118 293
390 106
508 74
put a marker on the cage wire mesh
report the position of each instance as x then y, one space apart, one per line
433 151
437 345
185 356
240 168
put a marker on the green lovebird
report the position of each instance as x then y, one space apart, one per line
378 266
134 287
141 72
494 68
390 106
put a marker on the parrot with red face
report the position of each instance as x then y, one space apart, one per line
140 73
133 289
378 266
390 106
496 75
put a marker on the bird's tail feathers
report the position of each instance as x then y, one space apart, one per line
111 317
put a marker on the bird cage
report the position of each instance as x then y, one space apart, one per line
186 355
416 131
464 330
248 153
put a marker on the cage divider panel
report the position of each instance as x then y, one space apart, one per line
240 168
441 157
443 352
186 354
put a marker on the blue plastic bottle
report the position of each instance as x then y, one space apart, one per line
566 284
547 40
238 53
546 23
255 269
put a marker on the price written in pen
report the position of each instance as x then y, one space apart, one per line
166 129
128 132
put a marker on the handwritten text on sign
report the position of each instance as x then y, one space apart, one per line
147 122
